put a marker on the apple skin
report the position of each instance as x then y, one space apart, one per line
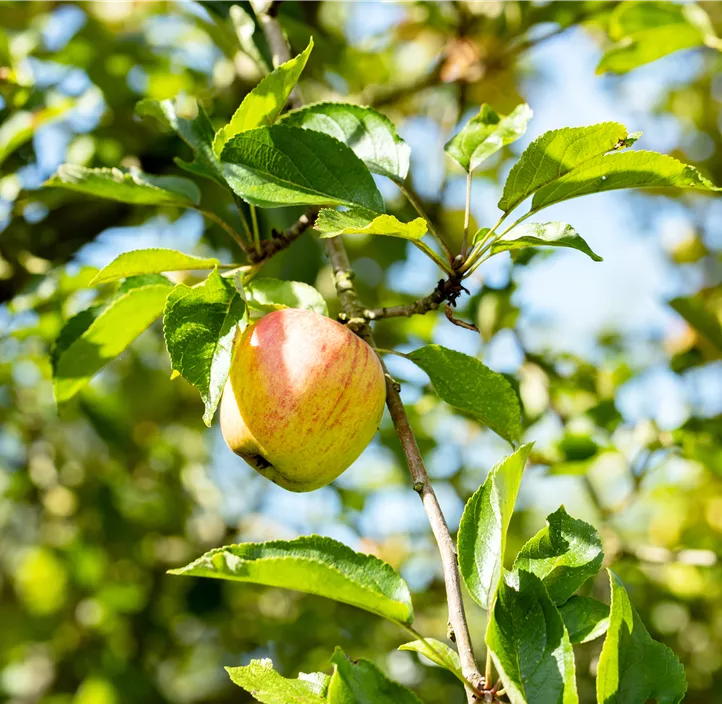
304 397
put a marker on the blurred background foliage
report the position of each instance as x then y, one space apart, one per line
618 364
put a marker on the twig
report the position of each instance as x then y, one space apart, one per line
446 290
282 240
460 323
343 277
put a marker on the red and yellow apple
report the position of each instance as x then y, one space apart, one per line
304 397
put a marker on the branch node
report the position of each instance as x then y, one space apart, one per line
419 487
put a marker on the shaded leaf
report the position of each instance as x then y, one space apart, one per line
267 294
264 103
126 185
150 261
194 128
563 555
438 653
546 234
268 687
481 541
361 682
331 223
282 165
371 135
556 153
585 618
199 325
530 645
633 169
465 383
90 340
647 31
634 668
486 134
314 565
701 316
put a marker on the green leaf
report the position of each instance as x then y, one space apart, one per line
481 541
126 185
150 261
281 165
371 135
357 221
465 383
264 103
438 653
556 153
563 555
701 316
314 565
547 234
530 645
585 618
486 134
268 687
647 31
91 339
199 325
250 36
634 668
361 682
194 128
267 294
608 172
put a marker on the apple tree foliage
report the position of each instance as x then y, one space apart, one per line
329 157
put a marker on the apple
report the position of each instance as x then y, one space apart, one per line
303 399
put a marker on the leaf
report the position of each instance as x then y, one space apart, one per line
150 261
268 687
701 316
547 234
281 165
608 172
195 129
634 668
585 618
371 135
530 645
357 221
361 682
486 134
465 383
249 35
267 294
647 31
199 325
264 103
563 555
556 153
314 565
438 653
126 185
91 339
481 541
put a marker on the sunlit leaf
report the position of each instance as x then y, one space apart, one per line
149 261
282 165
267 294
126 185
546 234
585 618
371 135
563 555
634 668
482 532
438 653
356 221
268 687
199 325
530 645
264 103
467 384
314 565
485 134
361 682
